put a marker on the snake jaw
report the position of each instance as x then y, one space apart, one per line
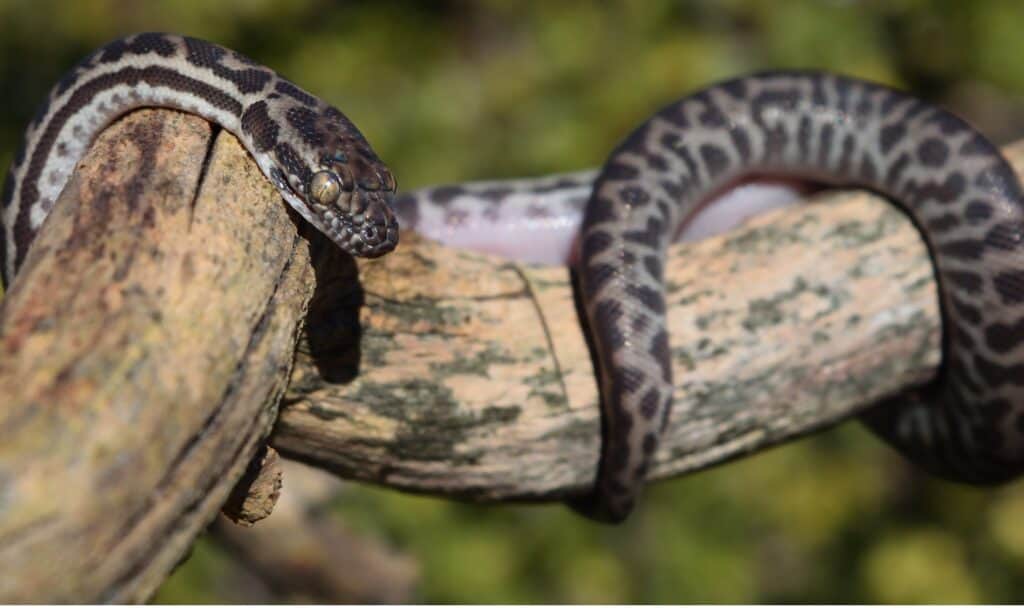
349 198
360 222
375 229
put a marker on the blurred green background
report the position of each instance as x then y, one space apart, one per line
458 90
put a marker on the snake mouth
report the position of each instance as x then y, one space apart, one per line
361 222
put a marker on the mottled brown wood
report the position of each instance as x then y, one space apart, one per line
143 351
256 492
474 380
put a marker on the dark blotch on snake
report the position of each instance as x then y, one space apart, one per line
649 236
996 375
596 242
942 224
662 353
1003 338
207 55
844 157
598 275
138 45
716 160
741 142
868 173
256 122
1007 236
287 88
932 152
649 404
978 211
824 145
653 266
306 123
1010 286
600 210
890 135
629 381
711 117
607 313
445 194
649 297
967 312
292 163
896 169
620 172
965 249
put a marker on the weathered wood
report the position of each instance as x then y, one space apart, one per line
256 492
474 380
143 350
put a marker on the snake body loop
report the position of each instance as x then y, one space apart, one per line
955 185
952 182
319 161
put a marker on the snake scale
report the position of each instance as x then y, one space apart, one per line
954 184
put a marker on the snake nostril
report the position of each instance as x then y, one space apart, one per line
371 234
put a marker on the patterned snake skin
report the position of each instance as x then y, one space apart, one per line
954 184
317 158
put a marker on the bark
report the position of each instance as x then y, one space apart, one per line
468 375
144 347
256 493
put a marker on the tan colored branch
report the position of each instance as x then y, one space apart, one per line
256 493
474 380
143 349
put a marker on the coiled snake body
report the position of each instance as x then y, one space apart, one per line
953 183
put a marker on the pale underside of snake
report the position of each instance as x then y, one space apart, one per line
953 183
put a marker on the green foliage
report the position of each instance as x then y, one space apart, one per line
458 90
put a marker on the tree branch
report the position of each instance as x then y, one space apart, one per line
474 380
144 347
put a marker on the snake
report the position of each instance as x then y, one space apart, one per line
956 187
966 425
318 160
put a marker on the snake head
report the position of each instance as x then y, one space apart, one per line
336 180
351 196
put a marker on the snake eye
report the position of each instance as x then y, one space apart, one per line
324 187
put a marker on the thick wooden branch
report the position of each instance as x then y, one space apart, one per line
474 380
144 347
